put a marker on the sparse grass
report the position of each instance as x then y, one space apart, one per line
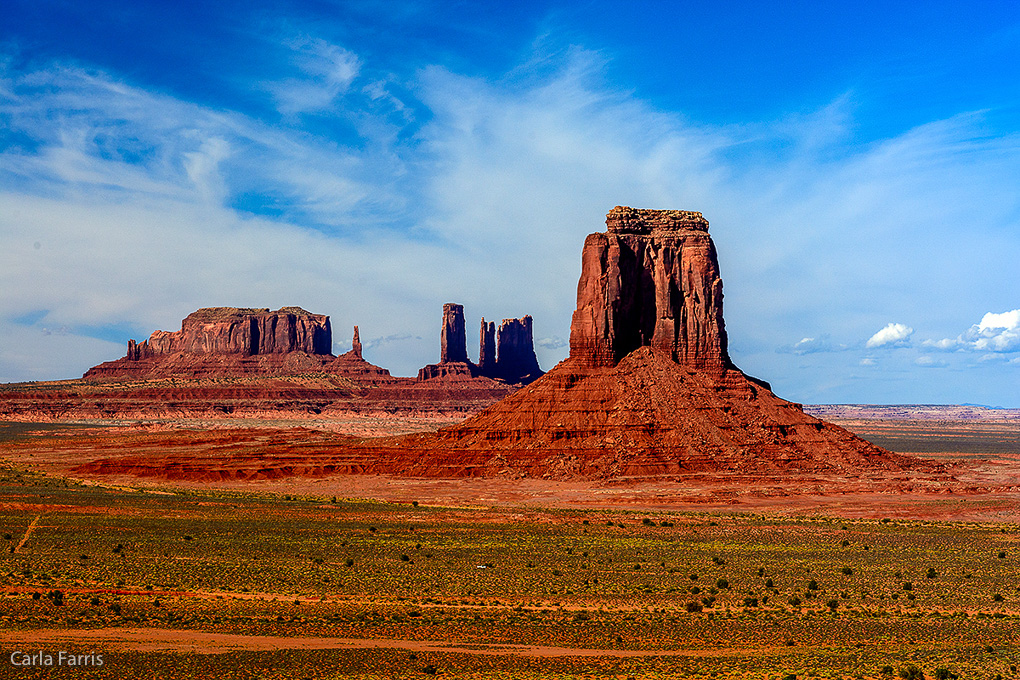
263 565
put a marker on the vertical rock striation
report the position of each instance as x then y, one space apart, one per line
515 346
651 280
244 331
454 335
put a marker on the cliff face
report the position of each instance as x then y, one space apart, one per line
244 331
229 341
453 340
651 280
515 351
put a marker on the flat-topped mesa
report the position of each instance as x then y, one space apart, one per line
240 330
652 279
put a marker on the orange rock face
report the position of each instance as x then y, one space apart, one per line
652 280
219 338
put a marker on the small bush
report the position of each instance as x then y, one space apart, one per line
812 585
932 573
794 601
722 583
832 604
694 607
911 672
999 598
769 583
1002 555
847 571
907 585
944 673
750 601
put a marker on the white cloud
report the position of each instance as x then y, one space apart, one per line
892 335
327 72
929 362
486 200
812 346
996 332
555 342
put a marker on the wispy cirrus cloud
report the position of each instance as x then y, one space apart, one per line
480 190
326 72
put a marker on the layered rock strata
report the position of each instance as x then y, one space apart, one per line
225 340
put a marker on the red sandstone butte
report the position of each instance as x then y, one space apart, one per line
648 390
651 280
219 340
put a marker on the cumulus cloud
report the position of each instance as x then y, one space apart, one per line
996 332
929 362
892 335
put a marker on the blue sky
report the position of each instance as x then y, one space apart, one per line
858 163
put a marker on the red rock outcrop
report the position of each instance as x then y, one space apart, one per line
228 338
487 348
221 377
515 358
651 280
453 339
507 354
648 389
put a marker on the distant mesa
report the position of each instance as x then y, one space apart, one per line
506 354
233 341
255 363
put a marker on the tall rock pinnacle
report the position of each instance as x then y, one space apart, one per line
515 353
356 343
487 347
454 334
651 280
